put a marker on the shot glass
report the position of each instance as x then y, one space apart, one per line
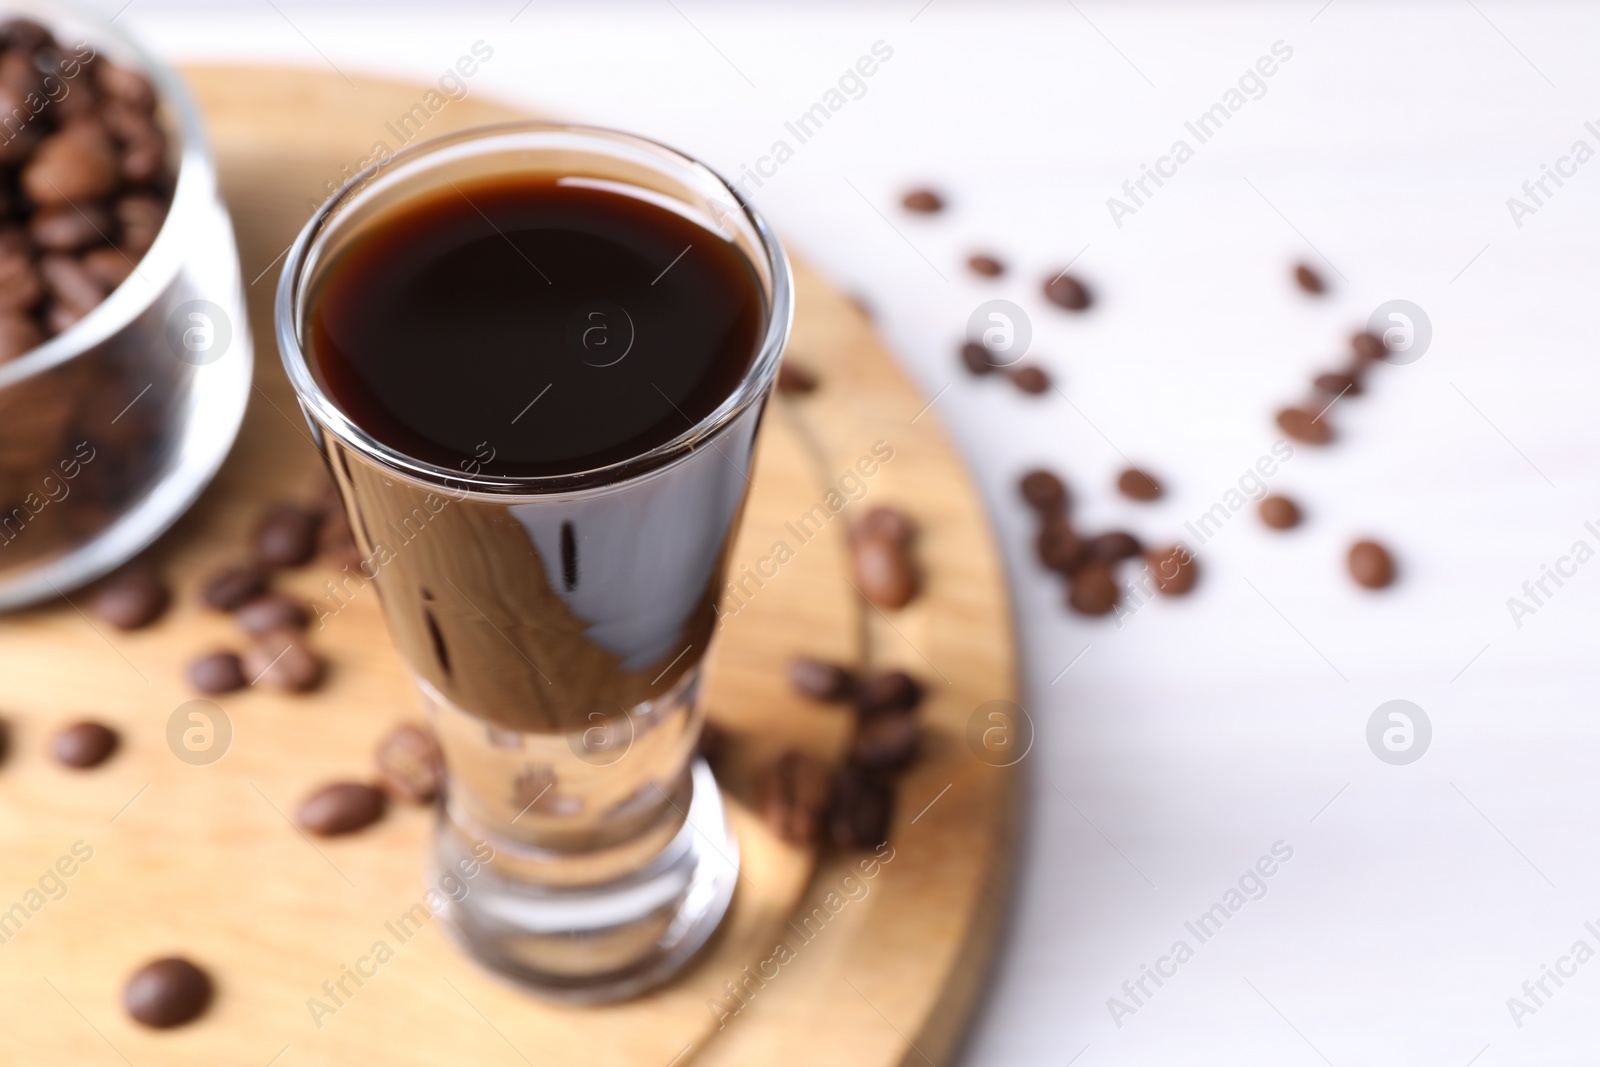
555 625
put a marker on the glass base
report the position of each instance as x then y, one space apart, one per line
599 943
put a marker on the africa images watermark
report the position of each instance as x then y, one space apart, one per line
1202 128
403 929
55 490
1536 992
848 488
1251 886
1537 591
52 886
1566 166
850 890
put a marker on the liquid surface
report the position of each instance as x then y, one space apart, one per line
523 327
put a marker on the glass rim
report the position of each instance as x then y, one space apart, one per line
328 416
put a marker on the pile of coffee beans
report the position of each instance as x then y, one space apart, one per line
288 535
803 800
1089 562
881 554
87 182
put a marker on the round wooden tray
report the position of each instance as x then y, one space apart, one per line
202 860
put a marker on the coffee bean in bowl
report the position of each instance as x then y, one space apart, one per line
167 992
108 427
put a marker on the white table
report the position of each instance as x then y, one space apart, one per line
1185 743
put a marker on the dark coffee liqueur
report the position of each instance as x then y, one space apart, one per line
533 326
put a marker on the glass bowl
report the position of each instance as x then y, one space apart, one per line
110 430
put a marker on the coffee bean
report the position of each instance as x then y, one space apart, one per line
1371 565
884 572
167 992
819 679
76 165
794 797
141 217
73 287
1174 569
1308 279
143 159
922 201
340 808
1044 491
859 808
228 589
126 86
67 229
1059 547
410 765
887 693
287 537
1368 347
18 336
1279 512
131 598
1336 385
1305 426
282 661
84 744
271 611
108 266
1066 291
1114 546
975 357
24 35
217 672
889 523
987 266
1093 590
336 542
20 284
1031 379
1137 485
795 380
885 741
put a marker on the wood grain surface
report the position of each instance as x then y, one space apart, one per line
203 861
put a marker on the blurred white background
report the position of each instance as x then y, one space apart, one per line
1185 743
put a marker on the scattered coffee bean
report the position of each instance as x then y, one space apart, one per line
287 537
167 992
1137 485
988 266
271 611
885 741
1305 426
859 809
1371 565
1114 546
975 357
1308 279
230 588
131 598
1093 590
84 744
887 693
794 797
923 201
819 679
884 572
340 808
219 672
1336 385
1368 347
1030 378
1279 512
795 380
410 765
1174 569
1059 547
282 661
1045 492
1064 290
890 523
